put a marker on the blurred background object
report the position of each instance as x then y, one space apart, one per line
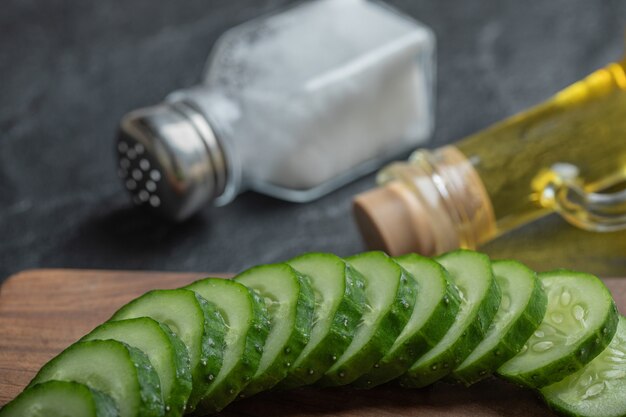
293 104
566 155
69 70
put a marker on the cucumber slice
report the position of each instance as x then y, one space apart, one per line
579 323
339 299
522 307
166 352
480 297
60 399
391 294
120 371
195 321
598 389
435 309
289 298
247 324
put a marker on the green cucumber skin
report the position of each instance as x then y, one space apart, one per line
434 330
212 342
104 405
586 350
241 373
254 345
512 341
389 328
149 384
101 404
341 332
181 393
298 339
151 403
435 327
443 364
263 325
213 345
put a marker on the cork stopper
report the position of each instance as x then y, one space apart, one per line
434 203
392 219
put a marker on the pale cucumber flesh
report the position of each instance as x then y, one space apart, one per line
169 358
60 399
580 321
390 294
289 299
114 368
195 321
436 306
246 331
480 297
339 303
598 389
522 307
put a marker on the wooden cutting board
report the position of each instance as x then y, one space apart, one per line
44 311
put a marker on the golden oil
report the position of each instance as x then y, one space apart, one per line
584 125
478 192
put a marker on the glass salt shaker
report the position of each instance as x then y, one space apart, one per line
292 105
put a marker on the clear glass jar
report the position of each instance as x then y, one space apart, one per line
293 105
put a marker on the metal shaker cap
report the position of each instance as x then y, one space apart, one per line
170 159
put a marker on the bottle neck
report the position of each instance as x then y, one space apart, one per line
461 196
434 203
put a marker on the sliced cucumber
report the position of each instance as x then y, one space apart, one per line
522 307
391 294
365 321
480 297
339 303
598 389
436 306
579 323
166 352
197 322
247 324
289 299
120 371
60 399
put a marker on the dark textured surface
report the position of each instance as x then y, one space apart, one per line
69 69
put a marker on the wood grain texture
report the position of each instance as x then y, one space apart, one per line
44 311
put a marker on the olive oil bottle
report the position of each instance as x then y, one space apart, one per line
565 156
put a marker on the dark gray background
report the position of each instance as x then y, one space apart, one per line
69 69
